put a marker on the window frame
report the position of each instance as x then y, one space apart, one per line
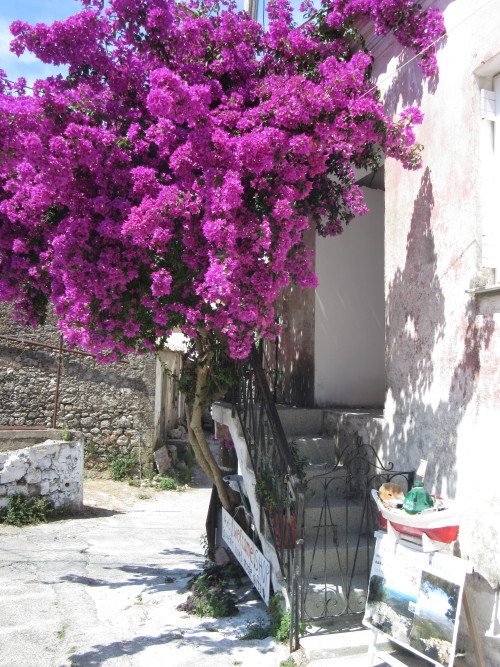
488 78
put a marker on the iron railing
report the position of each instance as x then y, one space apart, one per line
279 488
322 528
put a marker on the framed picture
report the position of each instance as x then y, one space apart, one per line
415 598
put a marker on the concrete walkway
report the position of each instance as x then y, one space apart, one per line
102 588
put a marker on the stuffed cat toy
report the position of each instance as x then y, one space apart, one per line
391 495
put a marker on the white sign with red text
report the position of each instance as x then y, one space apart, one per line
251 559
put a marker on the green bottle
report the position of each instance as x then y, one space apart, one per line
417 499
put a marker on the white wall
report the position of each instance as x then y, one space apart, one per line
349 331
38 463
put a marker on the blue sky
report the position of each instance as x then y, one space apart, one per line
32 11
39 11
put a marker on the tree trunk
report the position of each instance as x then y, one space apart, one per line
198 440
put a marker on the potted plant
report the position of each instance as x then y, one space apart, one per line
283 530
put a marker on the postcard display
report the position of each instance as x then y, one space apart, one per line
414 598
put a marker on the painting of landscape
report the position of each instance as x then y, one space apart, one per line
433 628
388 610
414 598
424 621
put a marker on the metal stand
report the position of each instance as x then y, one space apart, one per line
374 653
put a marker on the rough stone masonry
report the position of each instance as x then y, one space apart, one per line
112 405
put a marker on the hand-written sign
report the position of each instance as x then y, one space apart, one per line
251 559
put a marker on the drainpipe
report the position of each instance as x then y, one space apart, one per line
251 7
58 380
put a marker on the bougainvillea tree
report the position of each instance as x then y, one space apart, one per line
166 181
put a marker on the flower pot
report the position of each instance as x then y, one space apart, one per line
285 533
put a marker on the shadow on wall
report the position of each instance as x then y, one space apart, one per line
406 88
112 376
415 323
296 347
407 85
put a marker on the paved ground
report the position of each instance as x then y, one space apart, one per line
102 588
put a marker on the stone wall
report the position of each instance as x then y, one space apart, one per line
112 405
38 463
346 426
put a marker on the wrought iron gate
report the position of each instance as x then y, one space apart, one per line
340 520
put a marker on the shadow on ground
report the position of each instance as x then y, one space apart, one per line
153 579
213 644
90 512
100 653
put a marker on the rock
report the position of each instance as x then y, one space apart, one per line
17 490
33 476
13 470
177 433
172 452
221 556
162 459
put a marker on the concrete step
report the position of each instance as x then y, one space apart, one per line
344 642
345 659
328 560
301 421
318 449
337 513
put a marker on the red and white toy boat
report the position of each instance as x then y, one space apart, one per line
440 525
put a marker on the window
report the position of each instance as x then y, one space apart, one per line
489 168
490 111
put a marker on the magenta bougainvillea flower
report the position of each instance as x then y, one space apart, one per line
168 179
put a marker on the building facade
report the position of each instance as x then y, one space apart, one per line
406 318
442 291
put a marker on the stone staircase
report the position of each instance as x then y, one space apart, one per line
337 555
336 558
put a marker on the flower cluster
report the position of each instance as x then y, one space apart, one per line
167 180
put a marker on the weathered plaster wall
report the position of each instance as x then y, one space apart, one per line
112 405
38 463
349 313
294 354
442 343
346 426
